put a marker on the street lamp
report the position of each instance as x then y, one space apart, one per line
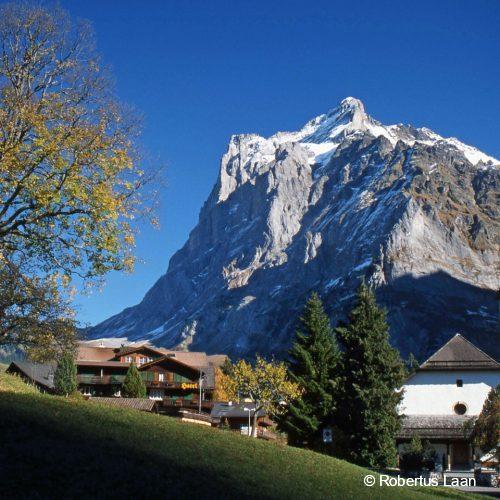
202 376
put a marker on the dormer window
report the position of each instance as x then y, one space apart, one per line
460 409
460 382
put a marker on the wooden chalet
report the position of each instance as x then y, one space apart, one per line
172 378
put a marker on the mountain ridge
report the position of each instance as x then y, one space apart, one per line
343 197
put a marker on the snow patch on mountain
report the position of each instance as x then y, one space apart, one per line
249 155
342 198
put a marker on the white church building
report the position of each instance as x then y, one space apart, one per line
444 393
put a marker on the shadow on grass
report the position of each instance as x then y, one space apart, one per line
41 457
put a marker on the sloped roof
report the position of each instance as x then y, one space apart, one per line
108 364
89 353
217 360
143 347
42 374
169 360
141 404
195 359
460 354
237 410
435 426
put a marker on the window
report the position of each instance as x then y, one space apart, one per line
156 394
87 391
460 382
128 359
460 409
161 377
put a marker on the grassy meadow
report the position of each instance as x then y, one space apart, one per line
56 447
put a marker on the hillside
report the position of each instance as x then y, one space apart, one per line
55 447
315 210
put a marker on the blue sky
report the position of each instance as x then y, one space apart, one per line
200 71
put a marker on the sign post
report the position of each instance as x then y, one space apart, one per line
199 402
327 435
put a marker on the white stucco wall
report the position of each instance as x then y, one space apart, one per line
436 392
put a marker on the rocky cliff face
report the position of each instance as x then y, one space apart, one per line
317 209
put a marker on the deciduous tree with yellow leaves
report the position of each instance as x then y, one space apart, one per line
266 384
69 180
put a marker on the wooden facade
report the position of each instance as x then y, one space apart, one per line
138 355
172 383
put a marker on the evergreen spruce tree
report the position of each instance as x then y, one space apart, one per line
65 376
133 385
313 365
372 374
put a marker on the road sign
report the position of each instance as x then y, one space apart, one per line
327 435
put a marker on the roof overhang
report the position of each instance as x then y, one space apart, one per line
170 361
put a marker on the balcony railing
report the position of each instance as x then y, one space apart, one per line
118 379
98 380
165 384
186 403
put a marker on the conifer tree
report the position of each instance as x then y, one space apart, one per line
313 365
133 385
372 374
65 376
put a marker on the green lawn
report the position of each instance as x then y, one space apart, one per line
55 447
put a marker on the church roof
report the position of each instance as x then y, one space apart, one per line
459 354
435 426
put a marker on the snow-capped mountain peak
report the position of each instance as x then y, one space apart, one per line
249 155
343 197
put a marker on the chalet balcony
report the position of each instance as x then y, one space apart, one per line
165 384
100 380
186 403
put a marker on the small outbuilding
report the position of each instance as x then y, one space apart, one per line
40 375
239 417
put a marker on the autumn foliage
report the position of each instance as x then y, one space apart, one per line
69 175
265 383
